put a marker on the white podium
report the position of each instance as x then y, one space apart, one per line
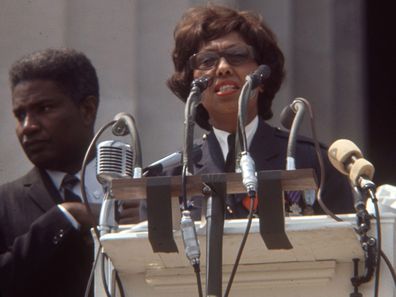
320 263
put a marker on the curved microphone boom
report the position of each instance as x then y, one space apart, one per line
124 125
189 234
291 118
246 162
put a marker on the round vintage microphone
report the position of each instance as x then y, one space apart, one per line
114 159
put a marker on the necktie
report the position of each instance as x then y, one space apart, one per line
230 160
69 181
230 167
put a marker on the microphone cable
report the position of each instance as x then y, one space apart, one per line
240 250
88 156
246 163
320 161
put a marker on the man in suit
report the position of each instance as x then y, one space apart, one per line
45 244
227 45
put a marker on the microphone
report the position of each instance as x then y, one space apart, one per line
259 76
190 240
201 83
114 159
171 160
347 158
246 162
291 118
124 125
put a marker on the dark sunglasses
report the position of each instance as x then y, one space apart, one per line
235 56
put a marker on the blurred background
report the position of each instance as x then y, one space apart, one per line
340 55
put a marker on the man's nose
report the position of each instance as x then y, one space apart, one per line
30 123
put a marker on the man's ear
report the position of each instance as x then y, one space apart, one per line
88 108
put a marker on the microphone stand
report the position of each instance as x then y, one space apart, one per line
187 225
370 245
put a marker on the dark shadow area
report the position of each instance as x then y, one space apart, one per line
381 88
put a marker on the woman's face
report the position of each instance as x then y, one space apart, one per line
227 60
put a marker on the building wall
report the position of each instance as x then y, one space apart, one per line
130 41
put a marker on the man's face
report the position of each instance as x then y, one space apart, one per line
53 130
228 73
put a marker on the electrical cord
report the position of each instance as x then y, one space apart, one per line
87 156
379 243
389 265
320 160
241 248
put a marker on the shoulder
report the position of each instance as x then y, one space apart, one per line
17 187
301 140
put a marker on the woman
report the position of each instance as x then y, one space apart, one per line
227 45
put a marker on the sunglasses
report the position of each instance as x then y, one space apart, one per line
235 56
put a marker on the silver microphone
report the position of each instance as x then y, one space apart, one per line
114 159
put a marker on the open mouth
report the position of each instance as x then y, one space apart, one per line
226 88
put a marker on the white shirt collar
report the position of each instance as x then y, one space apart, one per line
222 136
93 188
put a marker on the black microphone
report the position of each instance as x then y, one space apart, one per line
259 75
291 118
246 163
347 158
201 83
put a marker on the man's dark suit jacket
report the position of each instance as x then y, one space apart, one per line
41 253
268 149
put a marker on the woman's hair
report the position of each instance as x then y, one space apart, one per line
200 25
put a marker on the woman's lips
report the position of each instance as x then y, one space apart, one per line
226 88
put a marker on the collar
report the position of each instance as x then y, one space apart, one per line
93 188
222 136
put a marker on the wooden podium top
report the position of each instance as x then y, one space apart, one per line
293 180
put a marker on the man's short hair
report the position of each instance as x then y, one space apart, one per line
69 69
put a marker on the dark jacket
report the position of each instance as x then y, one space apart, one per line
268 149
41 253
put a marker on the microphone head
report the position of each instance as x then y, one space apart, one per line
260 75
340 152
289 112
114 159
287 117
202 83
120 127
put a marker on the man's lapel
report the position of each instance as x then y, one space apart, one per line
41 189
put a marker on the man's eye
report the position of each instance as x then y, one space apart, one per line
45 108
20 115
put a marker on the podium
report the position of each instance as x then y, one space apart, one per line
319 264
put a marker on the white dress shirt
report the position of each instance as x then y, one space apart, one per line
222 136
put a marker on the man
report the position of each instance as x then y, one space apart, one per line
45 245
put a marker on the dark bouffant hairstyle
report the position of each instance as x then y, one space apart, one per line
70 69
202 24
